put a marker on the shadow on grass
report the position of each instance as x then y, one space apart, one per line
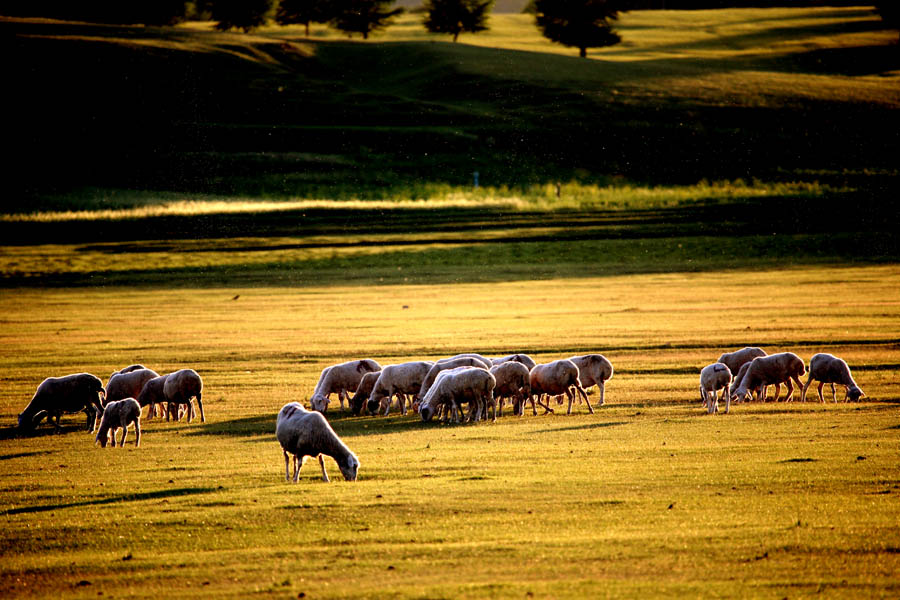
24 455
583 427
113 500
11 433
246 427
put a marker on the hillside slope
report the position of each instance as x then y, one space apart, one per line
724 94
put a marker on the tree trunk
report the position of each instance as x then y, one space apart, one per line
582 52
307 29
455 35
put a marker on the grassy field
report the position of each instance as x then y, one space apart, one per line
650 496
258 207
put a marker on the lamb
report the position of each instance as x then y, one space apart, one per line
734 360
594 369
519 358
449 363
363 391
513 382
128 384
455 386
68 394
768 370
826 368
340 379
119 413
400 379
304 433
180 387
556 378
153 393
713 378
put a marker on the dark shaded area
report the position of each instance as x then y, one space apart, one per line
20 454
174 493
92 105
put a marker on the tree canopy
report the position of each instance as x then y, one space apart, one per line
303 12
580 24
240 14
363 16
457 16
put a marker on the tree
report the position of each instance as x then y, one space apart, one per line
581 24
456 16
240 14
363 16
303 12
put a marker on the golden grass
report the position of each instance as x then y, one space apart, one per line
650 496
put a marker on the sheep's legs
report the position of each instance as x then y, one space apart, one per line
583 394
124 434
137 432
834 394
727 398
602 387
287 466
322 464
805 387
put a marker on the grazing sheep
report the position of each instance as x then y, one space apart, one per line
487 362
713 378
128 384
119 413
554 379
734 360
519 358
340 379
449 363
81 392
180 387
304 433
736 382
363 391
400 380
594 369
827 368
774 369
153 393
513 382
459 385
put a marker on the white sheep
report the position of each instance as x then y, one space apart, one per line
487 362
340 379
449 363
180 387
774 369
304 433
554 379
594 369
519 358
363 391
734 360
128 383
397 380
119 414
456 386
827 368
80 392
513 382
713 378
736 382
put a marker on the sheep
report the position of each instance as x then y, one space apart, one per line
119 413
487 362
449 363
519 358
180 387
768 370
68 394
363 391
455 386
713 378
128 384
513 382
594 369
304 433
153 393
734 360
340 379
826 368
736 381
400 379
556 378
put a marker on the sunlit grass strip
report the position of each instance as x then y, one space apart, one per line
549 197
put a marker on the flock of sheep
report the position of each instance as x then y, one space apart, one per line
442 388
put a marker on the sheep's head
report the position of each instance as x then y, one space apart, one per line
350 468
26 423
102 437
854 394
426 411
374 402
319 403
357 402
